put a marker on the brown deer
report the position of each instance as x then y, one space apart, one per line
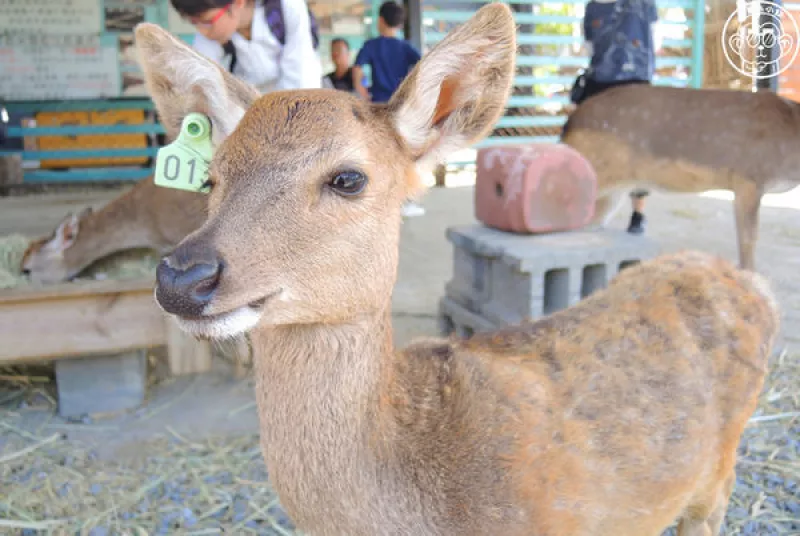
690 140
145 216
613 417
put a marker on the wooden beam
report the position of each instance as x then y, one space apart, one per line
185 353
79 319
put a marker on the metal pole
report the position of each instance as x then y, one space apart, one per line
767 39
698 43
413 29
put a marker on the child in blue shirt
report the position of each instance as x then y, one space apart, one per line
390 58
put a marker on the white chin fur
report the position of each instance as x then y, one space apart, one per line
224 326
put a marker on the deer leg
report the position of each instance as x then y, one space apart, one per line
746 204
692 524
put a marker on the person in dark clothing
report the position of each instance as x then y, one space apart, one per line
622 38
342 77
390 58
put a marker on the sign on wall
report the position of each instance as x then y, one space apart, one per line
67 17
57 67
75 49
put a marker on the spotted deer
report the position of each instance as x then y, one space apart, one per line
691 141
614 417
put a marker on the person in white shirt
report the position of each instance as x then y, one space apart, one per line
237 35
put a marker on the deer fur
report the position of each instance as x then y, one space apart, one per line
145 216
691 141
615 417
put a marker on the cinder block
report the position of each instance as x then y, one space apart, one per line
535 275
472 278
101 384
453 318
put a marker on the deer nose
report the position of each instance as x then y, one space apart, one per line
185 289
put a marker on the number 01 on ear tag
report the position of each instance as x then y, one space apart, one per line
183 164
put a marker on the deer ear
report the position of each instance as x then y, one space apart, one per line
459 89
181 81
66 233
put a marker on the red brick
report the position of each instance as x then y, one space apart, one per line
534 188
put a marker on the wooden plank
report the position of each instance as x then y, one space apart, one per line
10 170
117 317
75 289
441 175
185 353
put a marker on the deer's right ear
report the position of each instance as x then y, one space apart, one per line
181 81
459 89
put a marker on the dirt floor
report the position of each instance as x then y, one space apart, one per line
188 461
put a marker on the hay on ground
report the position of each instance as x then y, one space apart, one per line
55 485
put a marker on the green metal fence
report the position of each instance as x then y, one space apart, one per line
549 38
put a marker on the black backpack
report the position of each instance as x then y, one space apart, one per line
273 12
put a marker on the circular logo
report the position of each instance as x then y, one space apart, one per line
747 50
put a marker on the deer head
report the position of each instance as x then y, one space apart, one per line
47 259
307 186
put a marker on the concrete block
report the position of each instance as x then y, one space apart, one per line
101 384
535 275
453 318
472 277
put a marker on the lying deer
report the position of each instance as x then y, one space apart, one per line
613 417
690 140
146 216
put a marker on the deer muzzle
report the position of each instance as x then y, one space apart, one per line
187 280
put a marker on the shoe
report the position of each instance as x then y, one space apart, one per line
637 223
411 209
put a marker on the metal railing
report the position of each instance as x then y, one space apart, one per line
548 61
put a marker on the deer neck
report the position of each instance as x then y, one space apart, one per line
317 392
116 227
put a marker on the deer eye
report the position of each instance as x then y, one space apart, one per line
348 183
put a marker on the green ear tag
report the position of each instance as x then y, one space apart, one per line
183 164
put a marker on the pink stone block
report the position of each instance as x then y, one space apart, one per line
534 188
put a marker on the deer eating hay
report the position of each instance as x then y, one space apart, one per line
145 216
614 417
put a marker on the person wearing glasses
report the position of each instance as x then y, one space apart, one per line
270 48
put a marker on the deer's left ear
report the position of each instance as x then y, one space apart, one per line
181 81
459 89
66 233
